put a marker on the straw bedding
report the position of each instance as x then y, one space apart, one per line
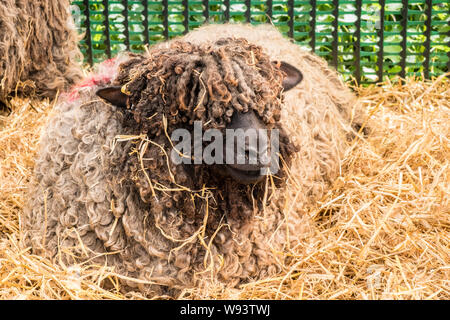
374 226
381 232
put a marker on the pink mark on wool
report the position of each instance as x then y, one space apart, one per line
107 71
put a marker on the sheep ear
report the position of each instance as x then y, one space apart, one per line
113 95
293 75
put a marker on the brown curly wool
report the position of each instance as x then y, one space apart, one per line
38 48
106 191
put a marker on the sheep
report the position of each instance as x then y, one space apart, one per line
106 191
38 48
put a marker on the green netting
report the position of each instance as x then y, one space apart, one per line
362 38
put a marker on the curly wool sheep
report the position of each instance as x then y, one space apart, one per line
38 48
106 191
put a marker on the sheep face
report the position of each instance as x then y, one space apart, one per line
243 145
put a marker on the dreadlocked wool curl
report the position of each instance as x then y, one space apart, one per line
106 191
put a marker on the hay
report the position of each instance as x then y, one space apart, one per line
382 231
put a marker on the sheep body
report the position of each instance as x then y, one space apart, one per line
38 48
82 208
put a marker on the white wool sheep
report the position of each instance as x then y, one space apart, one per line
94 199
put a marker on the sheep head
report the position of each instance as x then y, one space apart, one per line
226 85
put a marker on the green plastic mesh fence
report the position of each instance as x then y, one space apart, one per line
364 39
